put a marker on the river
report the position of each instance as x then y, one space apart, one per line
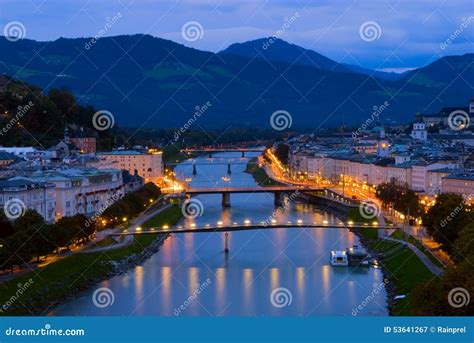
275 272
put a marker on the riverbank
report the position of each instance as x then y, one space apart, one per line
259 174
68 277
401 267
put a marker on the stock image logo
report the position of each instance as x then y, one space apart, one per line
281 120
192 31
281 297
103 120
459 297
14 31
14 208
369 209
370 31
458 120
103 297
192 208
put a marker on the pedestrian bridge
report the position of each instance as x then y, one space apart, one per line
249 225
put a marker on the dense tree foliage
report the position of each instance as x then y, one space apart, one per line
281 152
27 113
450 222
32 238
447 218
402 198
130 205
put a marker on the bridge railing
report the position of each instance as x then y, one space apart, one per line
247 223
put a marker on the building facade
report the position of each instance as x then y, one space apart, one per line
38 196
81 191
148 165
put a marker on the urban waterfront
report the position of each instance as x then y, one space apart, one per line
259 262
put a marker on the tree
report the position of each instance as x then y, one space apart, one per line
29 220
464 244
446 218
282 152
400 197
408 202
436 298
6 226
389 192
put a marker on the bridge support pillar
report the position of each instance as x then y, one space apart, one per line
210 155
226 242
279 197
194 169
229 171
225 199
243 153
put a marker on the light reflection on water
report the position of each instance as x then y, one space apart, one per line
242 280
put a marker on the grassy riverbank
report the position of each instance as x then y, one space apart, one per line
70 275
401 266
259 174
173 215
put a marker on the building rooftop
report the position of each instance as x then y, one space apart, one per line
22 183
463 174
123 152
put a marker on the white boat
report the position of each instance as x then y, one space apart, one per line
338 258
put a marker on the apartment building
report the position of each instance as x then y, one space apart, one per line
84 191
148 165
38 196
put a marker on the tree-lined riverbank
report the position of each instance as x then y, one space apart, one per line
66 278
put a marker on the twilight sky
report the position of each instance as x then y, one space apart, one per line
412 32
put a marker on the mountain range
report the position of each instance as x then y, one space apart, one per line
153 82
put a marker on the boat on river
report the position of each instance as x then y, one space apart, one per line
338 258
357 256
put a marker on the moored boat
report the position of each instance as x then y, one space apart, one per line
338 258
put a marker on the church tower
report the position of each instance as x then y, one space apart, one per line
383 144
419 129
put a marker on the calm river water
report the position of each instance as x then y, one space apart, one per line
192 276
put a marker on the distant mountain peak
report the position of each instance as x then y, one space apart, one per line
280 51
